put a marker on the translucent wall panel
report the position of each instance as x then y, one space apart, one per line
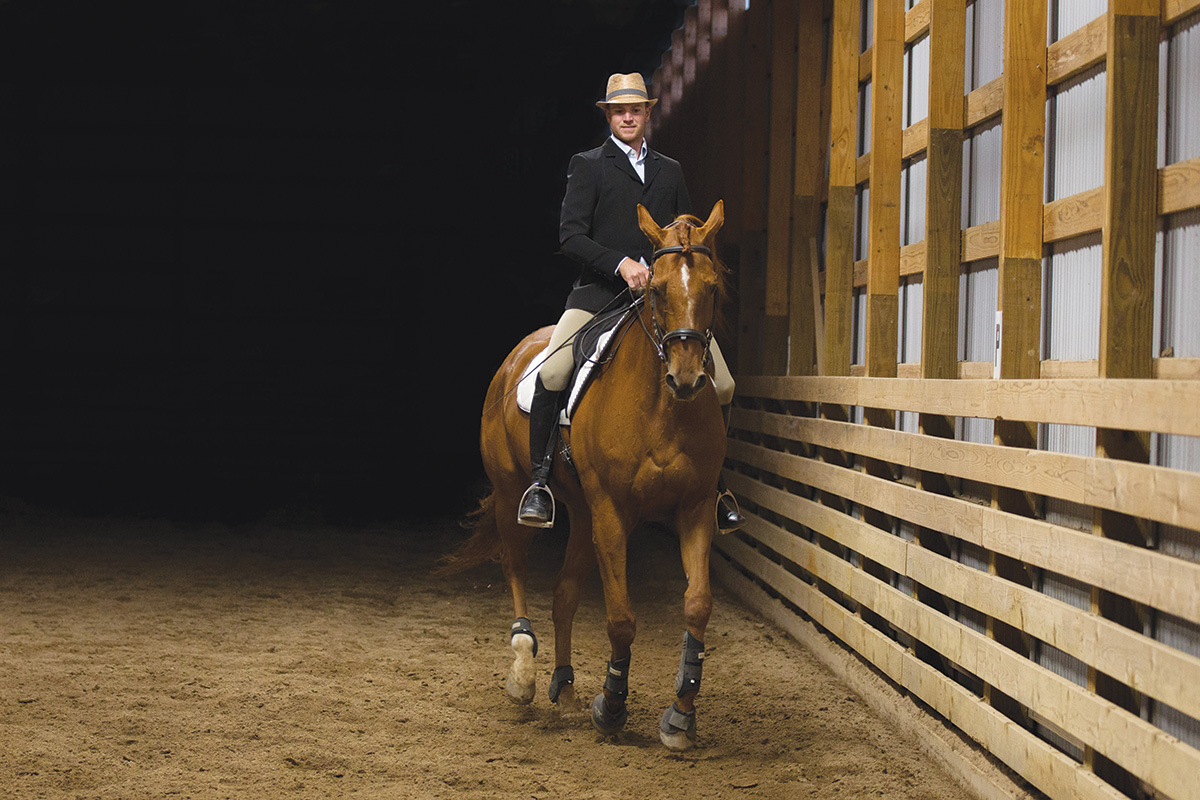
1068 16
1180 285
1075 135
981 175
985 43
912 202
1182 135
916 82
976 334
911 302
1071 300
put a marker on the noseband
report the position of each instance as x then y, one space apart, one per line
661 340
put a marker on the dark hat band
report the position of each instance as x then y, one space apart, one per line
621 92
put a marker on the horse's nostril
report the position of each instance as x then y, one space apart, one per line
671 382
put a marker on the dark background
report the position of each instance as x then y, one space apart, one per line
262 254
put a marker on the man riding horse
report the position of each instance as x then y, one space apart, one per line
598 228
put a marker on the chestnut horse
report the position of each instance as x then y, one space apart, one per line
647 441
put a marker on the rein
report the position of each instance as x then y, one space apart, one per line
659 339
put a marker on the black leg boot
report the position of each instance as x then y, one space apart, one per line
729 515
537 504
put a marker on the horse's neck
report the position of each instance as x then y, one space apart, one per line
639 365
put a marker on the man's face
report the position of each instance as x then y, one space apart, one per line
628 121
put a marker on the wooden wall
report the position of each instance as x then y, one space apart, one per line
873 515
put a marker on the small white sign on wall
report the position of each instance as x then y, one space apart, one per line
996 352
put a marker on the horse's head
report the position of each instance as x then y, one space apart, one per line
684 295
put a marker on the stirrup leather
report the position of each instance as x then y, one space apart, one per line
536 487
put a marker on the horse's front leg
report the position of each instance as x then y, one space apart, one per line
580 560
677 728
610 537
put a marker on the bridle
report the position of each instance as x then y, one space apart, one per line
660 339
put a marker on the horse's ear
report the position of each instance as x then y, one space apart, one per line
653 232
714 222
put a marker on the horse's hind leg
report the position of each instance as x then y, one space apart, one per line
578 563
521 681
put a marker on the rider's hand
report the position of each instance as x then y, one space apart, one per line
634 273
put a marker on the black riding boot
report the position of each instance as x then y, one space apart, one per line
729 515
537 504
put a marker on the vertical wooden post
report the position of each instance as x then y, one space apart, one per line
1127 287
883 231
943 192
1022 165
806 190
1019 304
883 238
754 174
943 245
843 141
779 184
728 69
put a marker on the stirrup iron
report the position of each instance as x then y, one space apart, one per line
724 524
530 521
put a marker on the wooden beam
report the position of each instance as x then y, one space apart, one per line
843 143
1126 295
751 257
1179 186
780 177
1160 494
1077 52
1162 405
883 224
943 195
1147 576
1021 185
1163 762
1131 189
1036 760
808 175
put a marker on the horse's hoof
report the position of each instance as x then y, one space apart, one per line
521 684
567 702
605 721
677 729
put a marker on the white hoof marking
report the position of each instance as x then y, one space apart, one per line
677 741
521 682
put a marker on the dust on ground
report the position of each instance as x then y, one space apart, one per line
291 657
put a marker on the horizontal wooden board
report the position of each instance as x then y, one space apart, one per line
1032 758
1161 406
1162 494
1145 664
1146 576
1135 744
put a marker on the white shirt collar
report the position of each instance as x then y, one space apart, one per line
627 150
637 159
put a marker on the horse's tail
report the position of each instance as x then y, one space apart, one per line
484 544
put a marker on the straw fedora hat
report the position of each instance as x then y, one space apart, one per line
626 89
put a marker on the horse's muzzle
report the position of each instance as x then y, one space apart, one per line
685 385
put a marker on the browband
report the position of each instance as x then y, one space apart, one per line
678 248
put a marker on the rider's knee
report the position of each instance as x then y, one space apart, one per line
555 376
724 388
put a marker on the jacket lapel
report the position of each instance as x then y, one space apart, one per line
652 166
622 161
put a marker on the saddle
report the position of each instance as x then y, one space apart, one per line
591 347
